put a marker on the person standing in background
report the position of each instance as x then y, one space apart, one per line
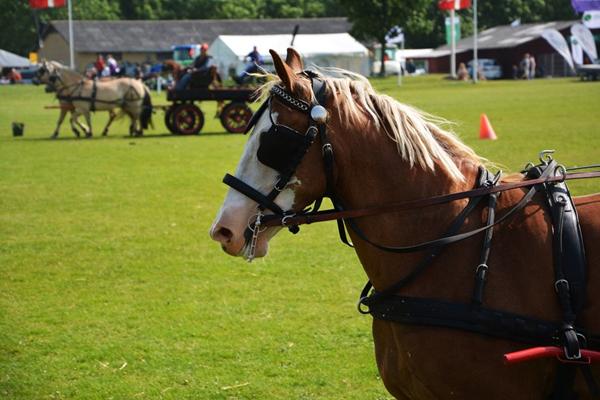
531 67
113 66
99 65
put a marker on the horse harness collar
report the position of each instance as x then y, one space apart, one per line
282 148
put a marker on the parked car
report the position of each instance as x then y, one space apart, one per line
392 64
488 67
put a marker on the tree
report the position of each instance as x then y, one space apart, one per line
372 19
17 28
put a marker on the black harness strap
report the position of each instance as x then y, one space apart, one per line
569 268
472 318
94 93
445 240
247 190
570 278
457 223
482 269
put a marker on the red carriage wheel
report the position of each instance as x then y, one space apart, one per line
188 119
235 117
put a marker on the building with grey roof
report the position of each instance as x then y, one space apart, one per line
507 45
140 41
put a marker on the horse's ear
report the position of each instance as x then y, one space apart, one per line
285 73
294 60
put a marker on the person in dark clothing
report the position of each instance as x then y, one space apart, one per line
410 66
201 64
255 60
203 61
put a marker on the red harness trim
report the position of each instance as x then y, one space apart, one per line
587 356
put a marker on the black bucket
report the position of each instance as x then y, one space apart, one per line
18 128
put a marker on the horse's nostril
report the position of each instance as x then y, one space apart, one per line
224 235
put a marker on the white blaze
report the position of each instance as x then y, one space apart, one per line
257 175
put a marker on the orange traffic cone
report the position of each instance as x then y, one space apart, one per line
485 128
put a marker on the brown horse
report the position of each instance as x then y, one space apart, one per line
385 152
172 67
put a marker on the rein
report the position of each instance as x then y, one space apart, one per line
330 215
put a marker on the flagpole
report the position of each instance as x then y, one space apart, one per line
475 60
452 45
71 46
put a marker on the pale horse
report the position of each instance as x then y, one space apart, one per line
85 95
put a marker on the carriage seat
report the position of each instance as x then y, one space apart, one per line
200 79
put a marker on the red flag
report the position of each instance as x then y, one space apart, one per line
453 4
47 3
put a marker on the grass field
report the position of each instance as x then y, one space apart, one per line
110 287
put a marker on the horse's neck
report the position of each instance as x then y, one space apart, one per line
70 77
371 172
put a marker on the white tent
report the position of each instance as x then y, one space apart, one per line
325 50
8 59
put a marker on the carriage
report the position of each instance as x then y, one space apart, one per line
184 116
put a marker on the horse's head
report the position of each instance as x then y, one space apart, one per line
281 169
42 75
48 73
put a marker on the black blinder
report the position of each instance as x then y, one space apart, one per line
256 116
279 147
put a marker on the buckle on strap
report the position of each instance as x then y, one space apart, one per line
364 296
286 217
362 307
561 282
571 346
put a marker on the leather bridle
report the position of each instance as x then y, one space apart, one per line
283 148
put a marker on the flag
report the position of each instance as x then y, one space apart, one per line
591 19
576 51
447 22
585 5
585 38
448 5
558 42
47 3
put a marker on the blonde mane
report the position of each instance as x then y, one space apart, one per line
419 137
66 71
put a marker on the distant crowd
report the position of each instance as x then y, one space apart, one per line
109 66
10 76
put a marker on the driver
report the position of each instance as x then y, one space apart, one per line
201 65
